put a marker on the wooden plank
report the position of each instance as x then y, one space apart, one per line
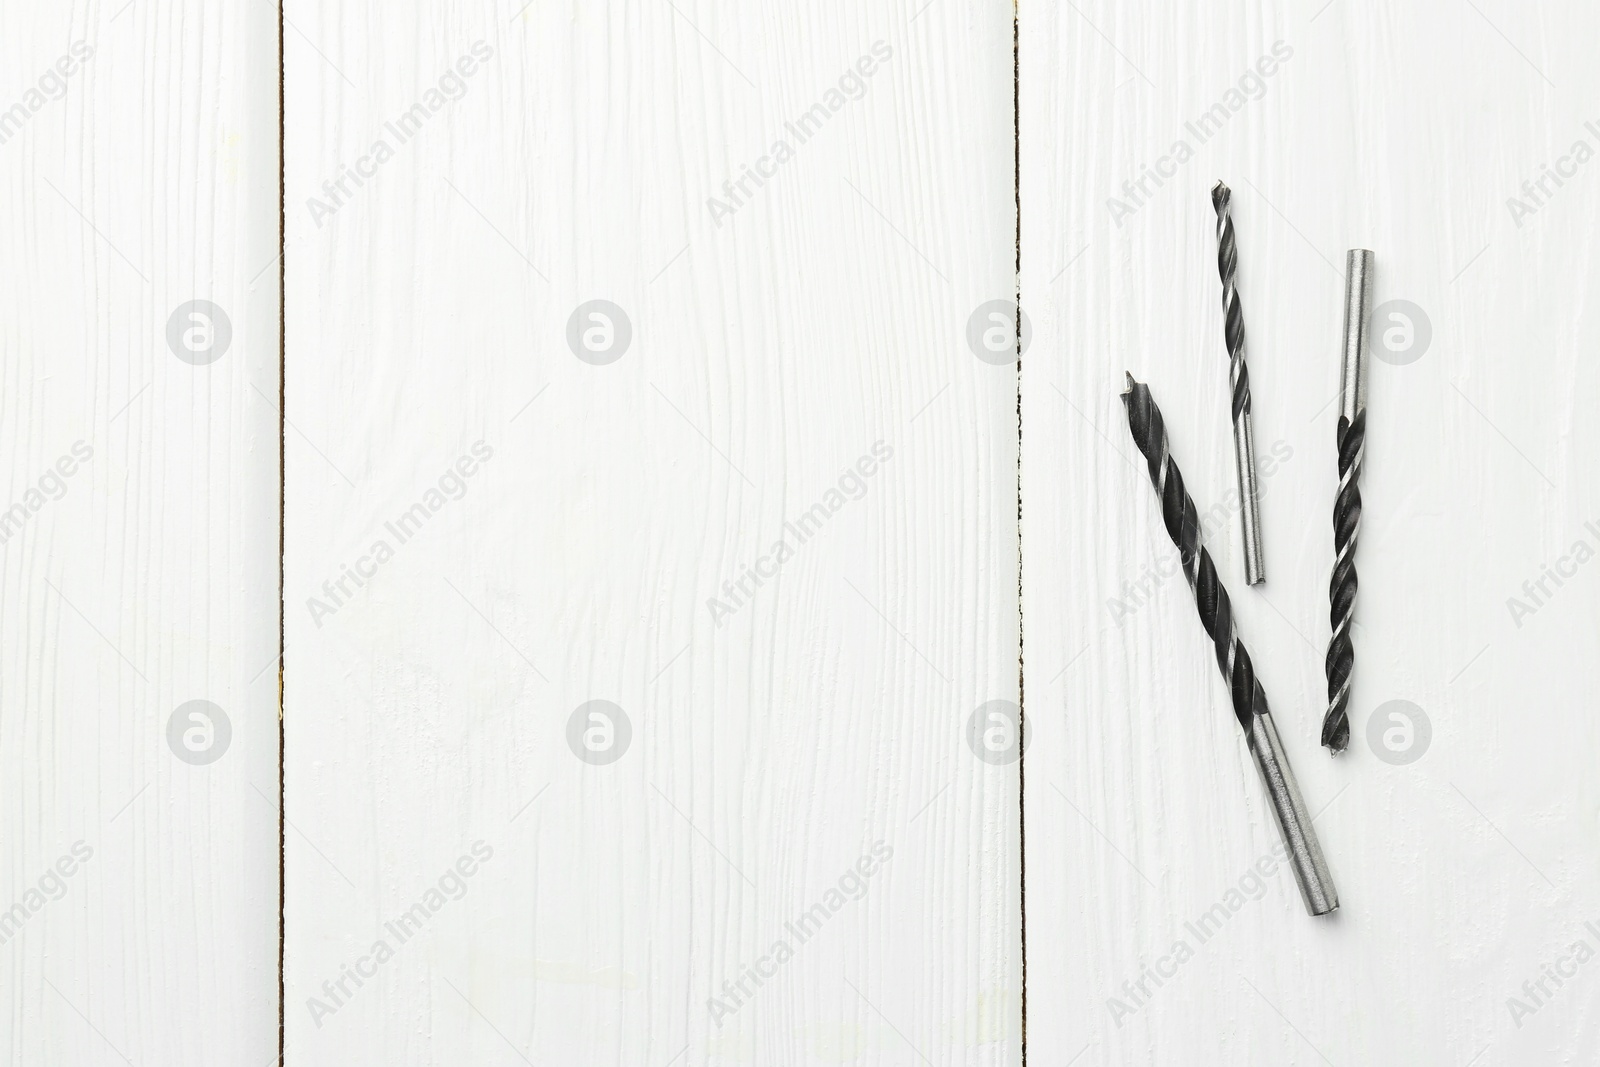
138 533
1409 131
507 502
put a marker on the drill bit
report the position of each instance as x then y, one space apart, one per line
1352 435
1216 617
1244 438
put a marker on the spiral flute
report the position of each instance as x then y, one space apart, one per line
1216 617
1244 438
1352 439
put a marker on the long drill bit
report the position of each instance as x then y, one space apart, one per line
1352 437
1244 438
1216 617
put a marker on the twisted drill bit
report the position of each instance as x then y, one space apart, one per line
1216 617
1244 438
1352 435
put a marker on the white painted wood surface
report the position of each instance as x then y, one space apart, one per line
138 533
1403 128
775 343
558 530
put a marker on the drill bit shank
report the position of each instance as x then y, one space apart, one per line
1352 437
1182 521
1244 439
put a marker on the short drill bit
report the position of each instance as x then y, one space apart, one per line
1352 437
1244 438
1216 617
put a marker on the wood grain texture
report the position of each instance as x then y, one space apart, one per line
812 326
1405 129
138 533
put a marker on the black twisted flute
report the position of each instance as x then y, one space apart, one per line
1216 617
1352 440
1244 438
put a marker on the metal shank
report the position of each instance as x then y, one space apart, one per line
1294 822
1353 365
1244 458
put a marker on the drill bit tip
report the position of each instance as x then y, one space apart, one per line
1336 735
1221 195
1131 383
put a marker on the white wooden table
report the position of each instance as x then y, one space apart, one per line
665 533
